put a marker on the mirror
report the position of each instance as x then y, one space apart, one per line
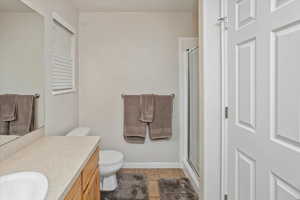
21 70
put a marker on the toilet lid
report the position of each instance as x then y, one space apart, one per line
110 157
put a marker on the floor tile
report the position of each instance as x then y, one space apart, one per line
153 176
153 189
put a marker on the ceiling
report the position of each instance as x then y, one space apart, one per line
13 6
136 5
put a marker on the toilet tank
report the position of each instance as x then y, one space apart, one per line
81 131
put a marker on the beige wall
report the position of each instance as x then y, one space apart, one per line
196 16
62 110
22 71
129 53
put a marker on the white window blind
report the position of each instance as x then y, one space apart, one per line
63 58
62 74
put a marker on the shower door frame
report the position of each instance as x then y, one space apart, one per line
189 51
185 43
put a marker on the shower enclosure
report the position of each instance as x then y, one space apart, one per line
193 110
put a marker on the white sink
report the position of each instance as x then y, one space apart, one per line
23 186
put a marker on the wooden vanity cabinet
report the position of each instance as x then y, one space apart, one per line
87 185
92 191
75 192
89 170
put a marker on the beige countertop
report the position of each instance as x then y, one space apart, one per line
7 138
59 158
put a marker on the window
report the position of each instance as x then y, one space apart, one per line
63 57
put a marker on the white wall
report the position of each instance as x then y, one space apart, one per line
21 70
129 53
62 110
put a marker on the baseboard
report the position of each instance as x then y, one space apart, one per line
151 165
189 172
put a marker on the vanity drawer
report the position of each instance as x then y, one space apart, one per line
75 192
89 169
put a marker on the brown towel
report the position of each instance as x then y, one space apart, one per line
147 107
7 113
7 108
161 127
4 128
25 116
134 130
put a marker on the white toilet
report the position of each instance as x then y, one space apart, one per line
110 163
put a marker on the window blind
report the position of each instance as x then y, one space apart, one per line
63 75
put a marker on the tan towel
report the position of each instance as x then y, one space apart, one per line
8 108
161 127
25 116
4 128
147 107
134 130
7 112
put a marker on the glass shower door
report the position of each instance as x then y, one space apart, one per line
193 110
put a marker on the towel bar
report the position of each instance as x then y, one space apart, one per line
173 95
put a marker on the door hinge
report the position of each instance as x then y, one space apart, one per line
225 197
224 20
226 112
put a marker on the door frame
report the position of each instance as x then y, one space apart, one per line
224 68
214 138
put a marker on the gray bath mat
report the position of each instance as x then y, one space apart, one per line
131 187
176 189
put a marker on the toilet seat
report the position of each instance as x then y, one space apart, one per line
108 158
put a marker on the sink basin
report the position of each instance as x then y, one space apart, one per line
23 186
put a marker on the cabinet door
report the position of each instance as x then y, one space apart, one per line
75 192
93 190
77 196
89 169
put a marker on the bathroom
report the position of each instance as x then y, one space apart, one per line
68 73
149 100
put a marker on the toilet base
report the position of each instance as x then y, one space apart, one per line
109 183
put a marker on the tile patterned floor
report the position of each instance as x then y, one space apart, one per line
153 175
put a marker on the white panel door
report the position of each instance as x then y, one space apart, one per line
264 100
